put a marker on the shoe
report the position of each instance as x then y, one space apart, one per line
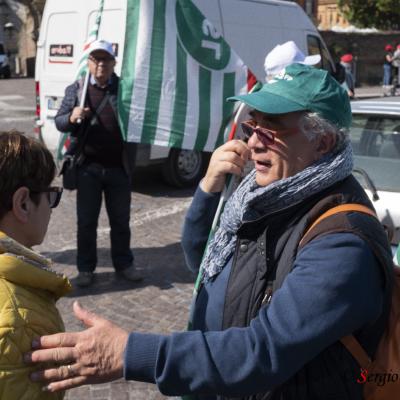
84 279
130 274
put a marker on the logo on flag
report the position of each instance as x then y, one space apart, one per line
176 75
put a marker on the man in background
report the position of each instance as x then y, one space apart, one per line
103 168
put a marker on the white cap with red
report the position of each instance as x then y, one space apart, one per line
285 54
101 45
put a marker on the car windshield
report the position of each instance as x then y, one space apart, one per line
376 145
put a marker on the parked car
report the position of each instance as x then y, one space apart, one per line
5 71
375 137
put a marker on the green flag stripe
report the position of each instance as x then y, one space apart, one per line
227 106
128 68
180 101
155 72
204 108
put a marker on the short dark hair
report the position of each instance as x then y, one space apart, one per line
24 161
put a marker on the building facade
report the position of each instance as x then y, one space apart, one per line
19 30
329 15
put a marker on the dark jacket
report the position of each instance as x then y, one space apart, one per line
287 348
71 100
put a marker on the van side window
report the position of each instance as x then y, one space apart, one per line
315 46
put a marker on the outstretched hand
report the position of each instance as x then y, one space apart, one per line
94 355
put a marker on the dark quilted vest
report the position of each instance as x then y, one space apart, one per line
265 254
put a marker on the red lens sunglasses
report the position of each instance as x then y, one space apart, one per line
264 135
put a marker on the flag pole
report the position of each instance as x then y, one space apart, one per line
231 180
84 93
82 69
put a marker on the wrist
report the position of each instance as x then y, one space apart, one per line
212 185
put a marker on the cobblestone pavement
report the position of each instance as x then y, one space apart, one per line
158 304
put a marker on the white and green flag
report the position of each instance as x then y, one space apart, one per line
396 258
176 75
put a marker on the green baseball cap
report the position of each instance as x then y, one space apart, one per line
301 87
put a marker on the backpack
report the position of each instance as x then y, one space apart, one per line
380 375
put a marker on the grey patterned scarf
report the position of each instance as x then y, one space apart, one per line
250 202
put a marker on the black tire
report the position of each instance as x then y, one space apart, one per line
6 73
185 168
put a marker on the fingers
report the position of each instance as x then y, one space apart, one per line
61 355
65 384
56 340
87 317
239 147
63 372
230 158
79 113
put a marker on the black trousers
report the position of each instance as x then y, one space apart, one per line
93 181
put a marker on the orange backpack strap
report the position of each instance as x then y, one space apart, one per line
338 209
356 350
350 342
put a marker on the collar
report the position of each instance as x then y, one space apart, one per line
94 82
25 267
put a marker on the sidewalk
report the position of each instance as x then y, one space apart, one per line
366 92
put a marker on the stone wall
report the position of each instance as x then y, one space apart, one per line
367 48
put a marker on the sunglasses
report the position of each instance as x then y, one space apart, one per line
53 193
264 135
98 60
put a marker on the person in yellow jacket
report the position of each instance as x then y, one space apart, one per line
29 287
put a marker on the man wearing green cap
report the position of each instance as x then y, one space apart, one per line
271 311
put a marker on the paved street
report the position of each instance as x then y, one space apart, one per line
17 104
160 302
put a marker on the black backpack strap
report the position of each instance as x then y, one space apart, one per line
92 121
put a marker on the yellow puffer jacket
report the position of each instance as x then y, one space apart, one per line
29 290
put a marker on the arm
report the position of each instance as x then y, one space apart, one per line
68 114
197 227
267 350
230 158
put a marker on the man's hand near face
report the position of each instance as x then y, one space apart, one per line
230 158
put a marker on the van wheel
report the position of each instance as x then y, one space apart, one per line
185 168
6 73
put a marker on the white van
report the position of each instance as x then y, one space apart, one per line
251 27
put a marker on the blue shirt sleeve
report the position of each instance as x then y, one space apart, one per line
197 225
334 289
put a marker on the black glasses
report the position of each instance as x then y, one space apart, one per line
53 193
264 135
98 60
